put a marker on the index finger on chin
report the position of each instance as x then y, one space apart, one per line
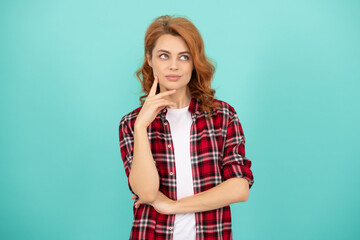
153 87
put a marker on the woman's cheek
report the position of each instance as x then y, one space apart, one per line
156 69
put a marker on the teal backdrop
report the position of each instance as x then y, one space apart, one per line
291 70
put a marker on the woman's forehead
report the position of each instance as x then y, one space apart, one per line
170 43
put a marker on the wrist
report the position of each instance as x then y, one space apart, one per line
138 127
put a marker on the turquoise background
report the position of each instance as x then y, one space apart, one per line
291 69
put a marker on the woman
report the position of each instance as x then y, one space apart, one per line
183 150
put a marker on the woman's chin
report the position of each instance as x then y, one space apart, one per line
173 85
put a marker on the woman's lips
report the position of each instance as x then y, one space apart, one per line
173 77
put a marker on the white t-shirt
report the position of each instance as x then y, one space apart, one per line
180 122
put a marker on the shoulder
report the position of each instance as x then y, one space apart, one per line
128 120
227 115
224 109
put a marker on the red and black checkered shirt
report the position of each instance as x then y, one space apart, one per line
217 153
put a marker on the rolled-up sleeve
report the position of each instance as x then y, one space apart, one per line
126 138
234 163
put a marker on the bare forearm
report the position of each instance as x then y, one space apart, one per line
144 177
230 191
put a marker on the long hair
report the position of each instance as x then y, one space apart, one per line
203 72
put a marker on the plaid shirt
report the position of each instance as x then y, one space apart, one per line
217 153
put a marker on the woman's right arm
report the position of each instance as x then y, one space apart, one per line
144 177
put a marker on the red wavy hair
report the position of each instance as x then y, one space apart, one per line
203 72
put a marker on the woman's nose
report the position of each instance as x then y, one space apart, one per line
174 64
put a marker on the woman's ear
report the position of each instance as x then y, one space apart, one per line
148 59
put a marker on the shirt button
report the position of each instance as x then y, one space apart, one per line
170 228
171 173
169 146
165 123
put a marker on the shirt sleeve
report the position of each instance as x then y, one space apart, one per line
126 138
234 162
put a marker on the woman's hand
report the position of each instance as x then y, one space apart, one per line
153 104
162 203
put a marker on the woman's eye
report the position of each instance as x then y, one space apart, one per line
184 57
163 55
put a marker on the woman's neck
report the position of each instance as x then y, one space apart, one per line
181 98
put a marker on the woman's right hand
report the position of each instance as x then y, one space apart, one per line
153 104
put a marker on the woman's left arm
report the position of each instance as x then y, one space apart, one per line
235 171
230 191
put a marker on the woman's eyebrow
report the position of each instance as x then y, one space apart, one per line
162 50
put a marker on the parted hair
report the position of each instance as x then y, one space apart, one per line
203 71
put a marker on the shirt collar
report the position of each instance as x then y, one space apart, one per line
194 108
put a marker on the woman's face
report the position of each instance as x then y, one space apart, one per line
172 62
